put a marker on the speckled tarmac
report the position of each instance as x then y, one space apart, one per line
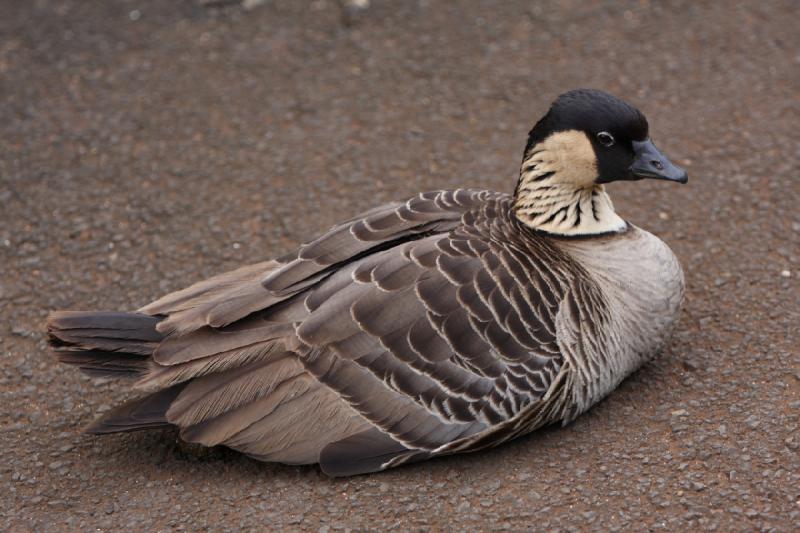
145 145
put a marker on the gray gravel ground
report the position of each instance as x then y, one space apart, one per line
146 144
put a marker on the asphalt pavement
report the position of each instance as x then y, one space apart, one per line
145 145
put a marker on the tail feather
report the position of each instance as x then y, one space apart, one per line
97 363
102 343
104 330
116 324
113 344
148 412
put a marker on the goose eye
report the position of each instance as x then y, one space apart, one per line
605 138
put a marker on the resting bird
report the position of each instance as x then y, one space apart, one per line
447 323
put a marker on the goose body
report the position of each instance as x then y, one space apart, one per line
450 322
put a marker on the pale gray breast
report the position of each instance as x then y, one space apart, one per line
642 284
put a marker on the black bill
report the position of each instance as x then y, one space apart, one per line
652 164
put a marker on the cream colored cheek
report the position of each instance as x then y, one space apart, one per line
577 168
571 155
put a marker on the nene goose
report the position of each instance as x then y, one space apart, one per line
448 323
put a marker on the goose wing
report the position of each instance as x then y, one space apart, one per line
444 344
226 298
420 328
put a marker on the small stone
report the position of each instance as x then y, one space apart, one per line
680 412
19 331
251 4
752 421
691 365
692 515
786 274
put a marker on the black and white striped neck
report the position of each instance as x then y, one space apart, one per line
563 201
567 211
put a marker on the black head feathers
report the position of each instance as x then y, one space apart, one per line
592 112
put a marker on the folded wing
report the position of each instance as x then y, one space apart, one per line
388 339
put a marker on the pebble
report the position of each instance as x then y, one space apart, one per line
19 331
753 421
692 364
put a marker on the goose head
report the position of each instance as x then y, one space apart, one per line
588 138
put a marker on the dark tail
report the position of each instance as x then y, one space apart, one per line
103 343
117 345
149 412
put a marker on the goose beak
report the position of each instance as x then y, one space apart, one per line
650 163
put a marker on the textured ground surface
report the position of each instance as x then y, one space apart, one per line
147 144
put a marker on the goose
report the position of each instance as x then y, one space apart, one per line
447 323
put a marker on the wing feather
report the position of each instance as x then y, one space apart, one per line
416 329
